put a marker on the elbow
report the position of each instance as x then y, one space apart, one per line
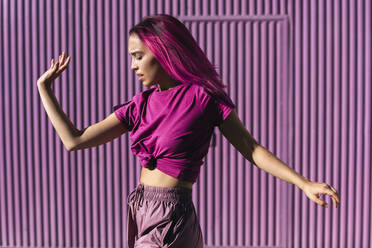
71 147
251 148
73 144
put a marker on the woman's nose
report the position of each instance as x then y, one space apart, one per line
134 66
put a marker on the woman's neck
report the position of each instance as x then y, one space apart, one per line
170 85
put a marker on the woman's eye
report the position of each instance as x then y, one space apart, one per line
139 57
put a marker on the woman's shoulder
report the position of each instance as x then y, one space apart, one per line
199 90
202 93
143 95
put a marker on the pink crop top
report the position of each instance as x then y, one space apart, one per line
171 130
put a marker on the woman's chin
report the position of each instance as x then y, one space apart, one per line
147 84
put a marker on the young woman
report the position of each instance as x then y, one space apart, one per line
170 128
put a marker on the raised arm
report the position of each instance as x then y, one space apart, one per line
235 132
72 138
61 123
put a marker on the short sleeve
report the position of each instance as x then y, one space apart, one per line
217 111
126 113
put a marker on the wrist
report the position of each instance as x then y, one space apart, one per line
44 84
302 182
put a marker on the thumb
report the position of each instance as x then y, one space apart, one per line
316 199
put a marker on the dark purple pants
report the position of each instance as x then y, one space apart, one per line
162 217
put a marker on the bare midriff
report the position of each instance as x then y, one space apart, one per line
158 178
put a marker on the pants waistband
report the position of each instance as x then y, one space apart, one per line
152 193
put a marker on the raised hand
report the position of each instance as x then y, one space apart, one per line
54 71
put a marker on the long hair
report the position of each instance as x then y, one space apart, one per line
179 54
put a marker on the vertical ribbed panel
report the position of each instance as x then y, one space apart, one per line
331 121
298 71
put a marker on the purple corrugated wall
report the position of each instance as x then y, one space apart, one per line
299 72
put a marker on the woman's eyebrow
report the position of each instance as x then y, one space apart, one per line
133 53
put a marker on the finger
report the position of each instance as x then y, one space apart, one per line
333 195
333 189
66 63
337 200
337 196
63 56
61 59
62 68
316 199
334 201
62 65
321 203
56 65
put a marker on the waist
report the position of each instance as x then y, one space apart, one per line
157 178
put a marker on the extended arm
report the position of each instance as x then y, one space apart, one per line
235 132
268 162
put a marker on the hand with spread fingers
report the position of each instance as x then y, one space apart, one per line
313 190
54 71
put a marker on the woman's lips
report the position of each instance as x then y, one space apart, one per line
140 78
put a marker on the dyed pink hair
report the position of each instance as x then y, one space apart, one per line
179 54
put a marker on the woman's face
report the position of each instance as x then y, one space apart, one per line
147 68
